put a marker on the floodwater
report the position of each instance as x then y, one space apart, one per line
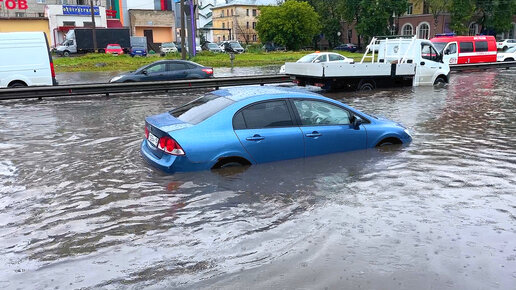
79 208
68 78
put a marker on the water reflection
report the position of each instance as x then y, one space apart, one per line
80 208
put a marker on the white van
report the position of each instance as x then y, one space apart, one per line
25 60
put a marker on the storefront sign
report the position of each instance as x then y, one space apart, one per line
13 4
79 10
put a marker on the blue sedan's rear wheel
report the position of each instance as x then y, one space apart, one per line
231 162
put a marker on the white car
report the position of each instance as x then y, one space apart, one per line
504 44
508 55
168 47
317 57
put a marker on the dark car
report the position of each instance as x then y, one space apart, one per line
347 47
166 70
273 47
232 46
209 46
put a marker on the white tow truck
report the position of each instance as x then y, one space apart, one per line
400 61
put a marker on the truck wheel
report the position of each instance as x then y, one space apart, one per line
439 81
66 53
366 85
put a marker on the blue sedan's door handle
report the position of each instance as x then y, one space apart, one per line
256 137
313 134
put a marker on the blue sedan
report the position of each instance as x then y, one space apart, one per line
251 125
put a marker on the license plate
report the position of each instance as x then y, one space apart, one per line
153 139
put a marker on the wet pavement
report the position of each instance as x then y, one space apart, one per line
81 209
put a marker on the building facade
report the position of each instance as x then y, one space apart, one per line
158 26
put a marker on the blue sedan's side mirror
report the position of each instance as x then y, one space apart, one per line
357 122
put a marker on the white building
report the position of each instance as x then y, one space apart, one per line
205 20
62 18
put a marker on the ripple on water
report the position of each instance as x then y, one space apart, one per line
81 208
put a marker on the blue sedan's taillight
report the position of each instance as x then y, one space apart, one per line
170 146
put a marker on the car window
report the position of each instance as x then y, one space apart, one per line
335 57
264 115
201 108
466 47
176 66
428 52
481 46
511 50
452 48
157 68
307 58
322 58
321 113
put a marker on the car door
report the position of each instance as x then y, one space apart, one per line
176 71
428 65
450 53
327 128
267 131
155 72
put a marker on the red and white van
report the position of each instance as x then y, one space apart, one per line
466 49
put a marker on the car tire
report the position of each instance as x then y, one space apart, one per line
231 162
66 53
504 48
366 85
439 81
509 59
389 141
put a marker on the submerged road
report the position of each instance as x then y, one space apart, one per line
81 209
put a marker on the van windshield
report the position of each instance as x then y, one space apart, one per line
201 109
440 45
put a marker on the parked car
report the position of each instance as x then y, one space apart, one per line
138 46
251 125
114 48
508 55
25 60
321 57
168 47
269 46
347 47
166 70
232 46
209 46
141 51
504 44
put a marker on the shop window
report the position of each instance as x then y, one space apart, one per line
69 23
19 14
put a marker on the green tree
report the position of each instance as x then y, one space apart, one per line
461 12
330 19
438 7
372 17
495 15
292 24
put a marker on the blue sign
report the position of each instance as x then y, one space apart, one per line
80 10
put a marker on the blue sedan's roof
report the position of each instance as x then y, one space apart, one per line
243 92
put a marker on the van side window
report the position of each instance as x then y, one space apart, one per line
481 46
452 48
466 47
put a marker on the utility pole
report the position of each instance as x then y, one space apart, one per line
93 32
183 36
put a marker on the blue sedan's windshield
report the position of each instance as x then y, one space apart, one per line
201 109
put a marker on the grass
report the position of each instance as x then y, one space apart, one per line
105 62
